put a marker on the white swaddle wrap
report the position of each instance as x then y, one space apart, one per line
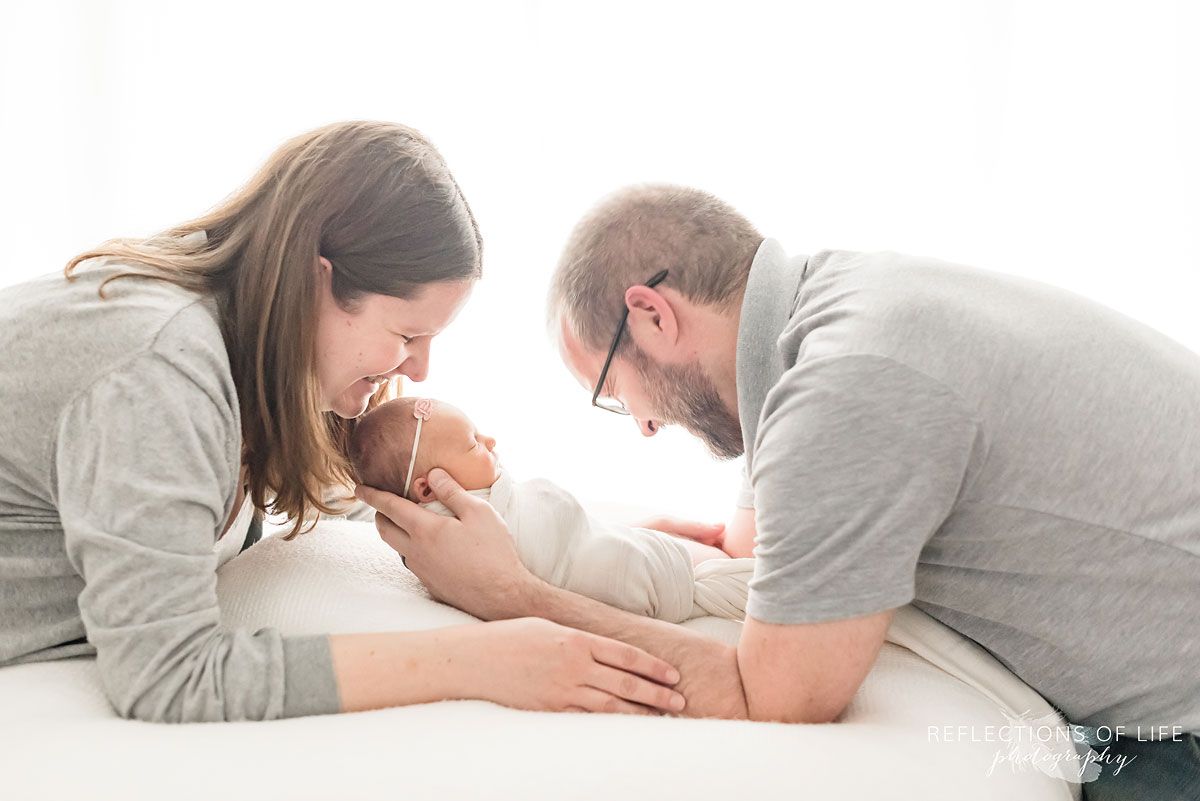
641 571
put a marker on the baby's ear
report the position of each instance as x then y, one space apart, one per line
422 491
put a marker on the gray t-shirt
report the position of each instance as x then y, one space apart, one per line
120 450
1021 463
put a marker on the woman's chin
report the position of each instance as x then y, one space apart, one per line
354 399
350 405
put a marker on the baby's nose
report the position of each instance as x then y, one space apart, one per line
489 442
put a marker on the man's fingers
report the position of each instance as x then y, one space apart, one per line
705 533
392 534
401 511
633 659
448 491
708 534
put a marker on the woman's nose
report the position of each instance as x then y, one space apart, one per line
416 365
413 371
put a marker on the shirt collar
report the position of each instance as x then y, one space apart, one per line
767 306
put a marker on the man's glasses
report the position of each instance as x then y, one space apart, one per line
611 404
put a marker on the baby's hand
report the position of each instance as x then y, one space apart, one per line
706 533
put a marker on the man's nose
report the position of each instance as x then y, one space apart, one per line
648 427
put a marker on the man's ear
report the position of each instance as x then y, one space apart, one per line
652 322
422 491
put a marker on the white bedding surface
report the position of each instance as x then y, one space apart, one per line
60 739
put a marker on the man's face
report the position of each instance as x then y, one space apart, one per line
659 394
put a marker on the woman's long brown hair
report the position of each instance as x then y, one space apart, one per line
376 199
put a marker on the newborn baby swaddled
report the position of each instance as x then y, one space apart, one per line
643 571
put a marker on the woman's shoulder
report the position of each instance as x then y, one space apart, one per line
57 330
137 305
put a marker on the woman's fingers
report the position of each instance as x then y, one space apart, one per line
593 700
634 675
628 687
632 659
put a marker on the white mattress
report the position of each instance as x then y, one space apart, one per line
60 739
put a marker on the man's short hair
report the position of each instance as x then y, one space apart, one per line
633 234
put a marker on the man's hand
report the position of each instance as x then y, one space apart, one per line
469 561
711 683
706 533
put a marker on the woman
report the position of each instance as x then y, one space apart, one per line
165 390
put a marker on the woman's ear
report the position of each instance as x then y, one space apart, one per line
422 491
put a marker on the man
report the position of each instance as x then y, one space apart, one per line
1018 462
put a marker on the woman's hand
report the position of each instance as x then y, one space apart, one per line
706 533
469 561
533 663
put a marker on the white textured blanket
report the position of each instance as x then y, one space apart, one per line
59 738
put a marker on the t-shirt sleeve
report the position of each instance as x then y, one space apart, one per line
858 460
143 470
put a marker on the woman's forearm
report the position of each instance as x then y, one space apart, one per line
528 664
400 668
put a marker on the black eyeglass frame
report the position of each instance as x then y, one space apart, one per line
657 279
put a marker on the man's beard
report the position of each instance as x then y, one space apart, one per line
685 396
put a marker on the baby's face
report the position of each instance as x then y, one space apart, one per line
456 446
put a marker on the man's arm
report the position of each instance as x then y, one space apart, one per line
471 562
740 533
800 673
807 672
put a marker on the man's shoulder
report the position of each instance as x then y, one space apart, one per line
915 309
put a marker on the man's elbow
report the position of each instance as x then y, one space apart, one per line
786 711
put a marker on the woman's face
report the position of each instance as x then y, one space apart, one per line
380 337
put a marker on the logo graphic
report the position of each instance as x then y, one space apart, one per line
1045 744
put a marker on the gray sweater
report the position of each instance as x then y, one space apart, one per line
120 452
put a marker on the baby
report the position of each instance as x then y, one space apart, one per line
643 571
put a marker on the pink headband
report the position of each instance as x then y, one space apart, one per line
423 410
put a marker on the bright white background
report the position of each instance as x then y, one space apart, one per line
1051 139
